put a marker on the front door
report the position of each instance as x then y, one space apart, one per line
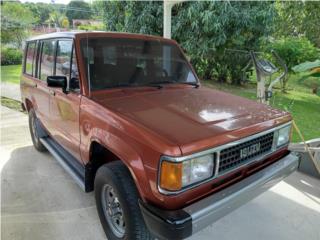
64 106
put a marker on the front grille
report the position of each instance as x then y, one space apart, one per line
242 153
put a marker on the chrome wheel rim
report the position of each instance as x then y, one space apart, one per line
113 211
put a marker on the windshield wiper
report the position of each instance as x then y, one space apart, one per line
195 84
159 83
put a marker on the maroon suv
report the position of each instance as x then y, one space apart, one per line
126 116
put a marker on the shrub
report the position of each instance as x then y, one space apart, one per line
294 50
11 56
96 27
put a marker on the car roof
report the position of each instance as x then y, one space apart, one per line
72 34
54 35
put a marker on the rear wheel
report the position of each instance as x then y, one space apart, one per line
34 132
117 203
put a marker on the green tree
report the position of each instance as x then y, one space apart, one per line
40 11
207 29
77 9
298 18
130 16
293 51
58 20
16 21
97 9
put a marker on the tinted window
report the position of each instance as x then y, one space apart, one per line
30 58
66 63
63 62
120 62
74 80
47 59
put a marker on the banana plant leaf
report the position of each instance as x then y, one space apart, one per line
306 66
315 74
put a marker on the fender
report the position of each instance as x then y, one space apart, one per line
125 152
132 144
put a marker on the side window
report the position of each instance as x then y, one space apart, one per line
30 58
63 60
66 63
47 59
74 80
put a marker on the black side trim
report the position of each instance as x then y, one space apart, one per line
66 160
166 224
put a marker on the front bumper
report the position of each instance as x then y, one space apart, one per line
179 224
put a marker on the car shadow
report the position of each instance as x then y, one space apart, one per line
39 200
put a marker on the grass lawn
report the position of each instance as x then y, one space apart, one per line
299 101
11 73
11 103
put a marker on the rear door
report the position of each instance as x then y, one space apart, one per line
64 106
37 67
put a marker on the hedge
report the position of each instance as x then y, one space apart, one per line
11 56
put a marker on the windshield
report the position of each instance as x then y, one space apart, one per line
120 62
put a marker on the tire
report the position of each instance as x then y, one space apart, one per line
117 177
34 132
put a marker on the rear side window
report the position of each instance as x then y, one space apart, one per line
30 58
47 59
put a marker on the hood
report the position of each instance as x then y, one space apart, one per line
187 115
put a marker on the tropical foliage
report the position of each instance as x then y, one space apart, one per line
16 21
298 18
77 9
204 29
58 20
294 50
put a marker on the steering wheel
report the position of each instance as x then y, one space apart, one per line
165 72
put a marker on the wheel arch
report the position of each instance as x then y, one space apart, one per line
100 153
28 104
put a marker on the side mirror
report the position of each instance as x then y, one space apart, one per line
57 81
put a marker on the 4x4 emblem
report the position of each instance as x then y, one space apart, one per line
250 150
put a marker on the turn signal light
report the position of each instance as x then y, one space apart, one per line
171 176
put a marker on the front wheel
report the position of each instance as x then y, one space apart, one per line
117 203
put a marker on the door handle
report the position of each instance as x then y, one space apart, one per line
53 93
34 85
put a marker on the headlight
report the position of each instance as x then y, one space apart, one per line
176 175
283 135
197 169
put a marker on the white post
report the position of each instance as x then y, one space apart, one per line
167 6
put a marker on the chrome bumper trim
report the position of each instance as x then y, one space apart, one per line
211 209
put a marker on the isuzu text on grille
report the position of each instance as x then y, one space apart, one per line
248 151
